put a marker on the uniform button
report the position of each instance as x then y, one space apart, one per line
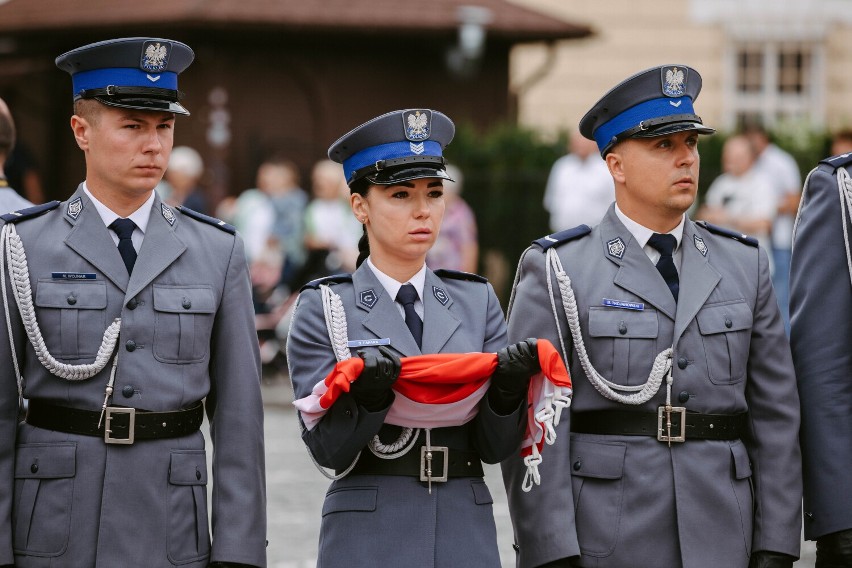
622 327
578 465
197 475
682 363
34 468
683 396
131 305
128 391
186 303
130 345
72 299
728 323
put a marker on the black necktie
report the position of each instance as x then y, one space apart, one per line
124 229
666 244
406 296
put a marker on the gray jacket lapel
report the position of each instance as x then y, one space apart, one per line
381 314
698 278
439 323
90 238
160 248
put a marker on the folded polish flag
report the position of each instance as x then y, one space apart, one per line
444 389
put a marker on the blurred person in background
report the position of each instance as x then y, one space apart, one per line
741 198
181 183
456 247
579 188
781 169
841 142
9 198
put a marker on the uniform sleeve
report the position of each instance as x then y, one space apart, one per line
772 436
821 334
346 428
497 436
235 409
543 518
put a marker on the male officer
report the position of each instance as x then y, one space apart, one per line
109 468
680 449
821 305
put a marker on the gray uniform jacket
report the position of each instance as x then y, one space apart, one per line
393 521
187 332
632 500
821 336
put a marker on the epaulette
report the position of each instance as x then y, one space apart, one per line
29 212
745 239
333 279
218 223
841 160
562 237
459 275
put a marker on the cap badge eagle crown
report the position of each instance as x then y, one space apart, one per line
674 83
417 125
155 57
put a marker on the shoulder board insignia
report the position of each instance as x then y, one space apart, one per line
745 239
459 275
333 279
218 223
562 237
29 212
841 160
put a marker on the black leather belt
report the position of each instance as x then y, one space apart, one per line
444 463
120 425
684 425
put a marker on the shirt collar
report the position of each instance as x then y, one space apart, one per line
642 234
140 217
392 286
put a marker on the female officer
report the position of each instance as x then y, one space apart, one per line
404 496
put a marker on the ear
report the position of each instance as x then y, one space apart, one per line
615 163
81 129
360 206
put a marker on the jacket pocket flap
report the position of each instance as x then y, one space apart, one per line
742 463
725 317
188 467
184 299
350 499
629 324
602 460
46 461
71 295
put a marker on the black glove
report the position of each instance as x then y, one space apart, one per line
510 381
372 390
834 550
767 559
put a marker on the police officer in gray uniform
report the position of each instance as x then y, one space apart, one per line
821 330
128 320
681 445
404 497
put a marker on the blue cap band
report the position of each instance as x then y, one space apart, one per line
630 118
392 150
122 77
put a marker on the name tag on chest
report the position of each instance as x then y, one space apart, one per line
622 305
368 342
73 275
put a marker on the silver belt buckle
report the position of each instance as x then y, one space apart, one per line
426 455
663 416
131 427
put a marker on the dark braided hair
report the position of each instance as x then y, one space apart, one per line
361 187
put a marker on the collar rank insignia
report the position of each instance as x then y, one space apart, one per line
440 295
674 81
75 208
168 215
699 244
616 247
155 56
368 298
417 124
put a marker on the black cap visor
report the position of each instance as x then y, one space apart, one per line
673 127
154 105
392 176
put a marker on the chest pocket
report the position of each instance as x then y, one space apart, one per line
184 321
623 344
71 316
726 334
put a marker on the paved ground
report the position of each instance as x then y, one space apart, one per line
296 490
